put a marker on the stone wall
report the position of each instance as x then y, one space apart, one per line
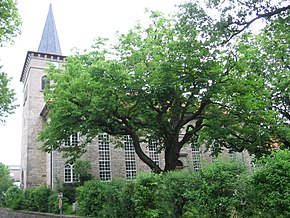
8 213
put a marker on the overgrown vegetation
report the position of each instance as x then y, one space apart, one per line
224 188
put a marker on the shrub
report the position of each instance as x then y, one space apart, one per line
69 191
105 199
14 198
271 182
215 190
36 199
147 188
171 196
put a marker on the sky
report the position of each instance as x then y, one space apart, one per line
78 23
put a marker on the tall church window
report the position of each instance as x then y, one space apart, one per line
196 158
72 141
69 174
104 157
44 82
153 153
130 160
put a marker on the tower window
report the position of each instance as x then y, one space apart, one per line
44 82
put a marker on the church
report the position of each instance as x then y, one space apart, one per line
107 161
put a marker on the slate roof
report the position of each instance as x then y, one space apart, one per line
49 41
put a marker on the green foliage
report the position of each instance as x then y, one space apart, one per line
7 96
100 199
36 199
223 188
39 199
83 168
9 28
5 182
9 21
147 188
180 76
222 21
69 191
216 189
271 182
53 203
171 198
14 198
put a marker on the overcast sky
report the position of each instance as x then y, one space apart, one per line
78 24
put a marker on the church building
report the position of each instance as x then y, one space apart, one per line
107 162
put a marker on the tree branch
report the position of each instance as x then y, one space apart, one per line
248 23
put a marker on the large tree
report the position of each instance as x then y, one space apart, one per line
9 28
167 81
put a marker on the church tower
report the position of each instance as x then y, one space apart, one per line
33 160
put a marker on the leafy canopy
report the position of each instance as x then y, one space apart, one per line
9 21
9 28
170 81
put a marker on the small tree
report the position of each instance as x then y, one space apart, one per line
5 182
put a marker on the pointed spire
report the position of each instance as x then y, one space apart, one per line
49 41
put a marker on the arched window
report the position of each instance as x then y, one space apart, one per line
44 82
69 174
179 165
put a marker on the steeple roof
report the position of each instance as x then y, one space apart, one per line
49 41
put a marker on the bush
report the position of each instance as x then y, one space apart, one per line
146 191
69 191
271 183
36 199
101 199
171 198
14 198
215 190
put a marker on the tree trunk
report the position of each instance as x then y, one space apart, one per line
171 155
136 142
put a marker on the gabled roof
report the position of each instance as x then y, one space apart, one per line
49 41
